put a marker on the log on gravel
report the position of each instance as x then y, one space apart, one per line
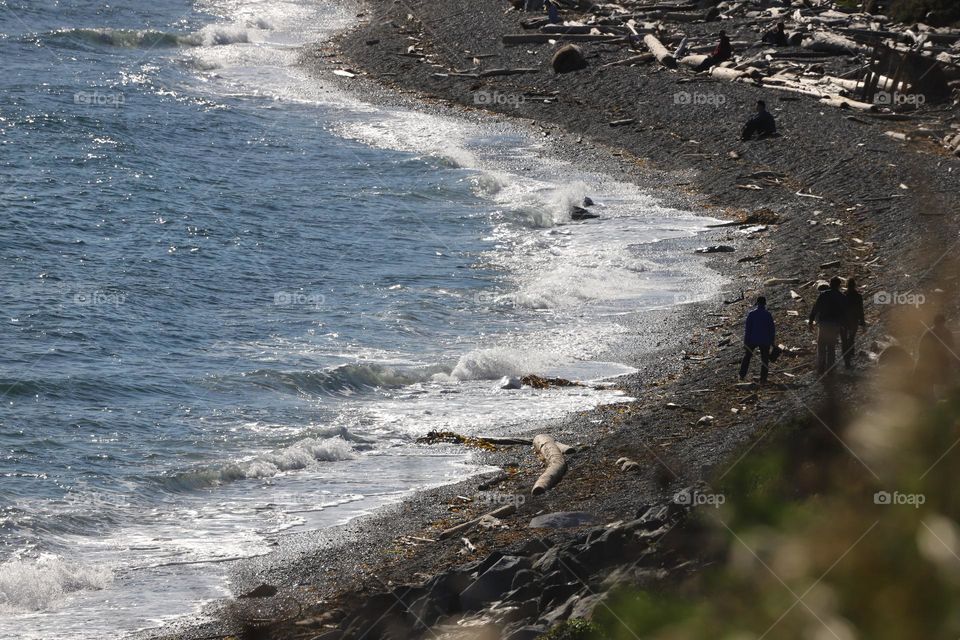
543 38
847 103
548 449
470 524
662 54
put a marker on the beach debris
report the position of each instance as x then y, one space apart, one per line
717 248
772 282
450 437
735 300
494 481
622 123
470 524
705 420
626 464
508 382
468 546
568 58
538 382
556 466
343 73
490 73
830 265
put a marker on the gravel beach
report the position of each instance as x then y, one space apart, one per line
831 195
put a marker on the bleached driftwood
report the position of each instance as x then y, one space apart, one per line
662 54
549 450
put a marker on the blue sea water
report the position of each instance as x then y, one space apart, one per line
233 296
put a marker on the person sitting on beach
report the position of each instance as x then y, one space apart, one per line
853 321
937 358
777 36
759 333
722 52
761 123
828 314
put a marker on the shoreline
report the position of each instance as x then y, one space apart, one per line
593 483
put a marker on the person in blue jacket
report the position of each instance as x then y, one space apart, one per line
759 333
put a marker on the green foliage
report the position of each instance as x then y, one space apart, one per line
577 629
941 12
811 551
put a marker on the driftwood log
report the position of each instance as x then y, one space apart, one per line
662 54
549 450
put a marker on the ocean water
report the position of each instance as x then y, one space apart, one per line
233 296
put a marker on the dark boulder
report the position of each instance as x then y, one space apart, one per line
568 58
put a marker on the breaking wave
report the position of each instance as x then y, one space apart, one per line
39 584
210 36
300 455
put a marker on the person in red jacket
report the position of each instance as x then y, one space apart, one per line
721 53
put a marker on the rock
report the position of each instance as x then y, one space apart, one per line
263 591
583 608
718 248
560 589
560 613
705 420
587 201
568 58
508 382
492 583
560 559
579 213
562 520
630 465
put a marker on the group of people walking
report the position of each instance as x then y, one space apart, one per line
837 316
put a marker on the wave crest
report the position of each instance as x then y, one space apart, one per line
38 584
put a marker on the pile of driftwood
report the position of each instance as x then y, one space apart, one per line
845 59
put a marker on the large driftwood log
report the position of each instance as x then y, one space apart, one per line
548 449
663 54
693 61
845 103
833 43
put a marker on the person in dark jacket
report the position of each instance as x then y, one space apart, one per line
721 53
853 321
761 123
759 333
777 36
828 314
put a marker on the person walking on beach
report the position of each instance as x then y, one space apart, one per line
828 314
759 333
721 53
937 358
761 123
854 320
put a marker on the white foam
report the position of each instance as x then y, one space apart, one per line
42 583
